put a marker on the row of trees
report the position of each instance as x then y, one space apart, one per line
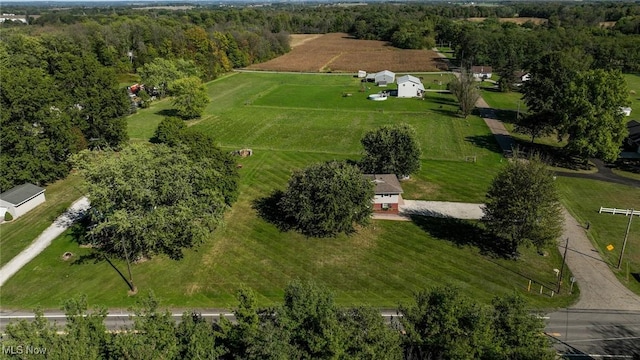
438 324
581 105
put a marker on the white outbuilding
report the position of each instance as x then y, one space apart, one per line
409 86
21 199
385 77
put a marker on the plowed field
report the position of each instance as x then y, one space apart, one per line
340 52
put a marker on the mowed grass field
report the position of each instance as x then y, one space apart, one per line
291 122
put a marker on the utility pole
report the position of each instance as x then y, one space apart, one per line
626 236
564 259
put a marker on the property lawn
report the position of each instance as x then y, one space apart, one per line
15 236
584 198
310 113
291 121
633 82
382 265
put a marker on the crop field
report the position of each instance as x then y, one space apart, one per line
339 52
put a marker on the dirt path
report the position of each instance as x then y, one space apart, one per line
61 224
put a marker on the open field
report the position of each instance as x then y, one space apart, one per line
584 198
382 265
516 20
339 52
15 236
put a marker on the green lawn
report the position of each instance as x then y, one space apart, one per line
633 82
291 121
15 236
382 265
584 198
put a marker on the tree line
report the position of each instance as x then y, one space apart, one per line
439 323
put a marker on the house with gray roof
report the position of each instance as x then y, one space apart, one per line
21 199
388 192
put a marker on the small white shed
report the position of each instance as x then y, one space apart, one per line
409 86
22 199
362 74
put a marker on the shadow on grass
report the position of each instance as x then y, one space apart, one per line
168 112
269 210
487 141
462 233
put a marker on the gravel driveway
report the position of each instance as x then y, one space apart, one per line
442 209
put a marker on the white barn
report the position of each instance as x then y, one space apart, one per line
385 77
409 86
21 199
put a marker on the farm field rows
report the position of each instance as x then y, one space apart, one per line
339 52
382 265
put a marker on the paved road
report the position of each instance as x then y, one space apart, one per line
595 334
61 224
119 319
604 174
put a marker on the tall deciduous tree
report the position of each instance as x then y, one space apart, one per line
523 204
36 137
160 73
152 199
391 150
190 97
444 324
327 199
465 89
518 334
594 122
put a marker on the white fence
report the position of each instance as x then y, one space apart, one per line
625 212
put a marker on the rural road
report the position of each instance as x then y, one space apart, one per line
595 334
118 319
61 224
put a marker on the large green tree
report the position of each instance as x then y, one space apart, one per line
160 73
594 123
190 97
152 199
465 88
391 149
523 205
37 137
442 323
327 199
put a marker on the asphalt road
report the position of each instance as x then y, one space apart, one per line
121 319
595 334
